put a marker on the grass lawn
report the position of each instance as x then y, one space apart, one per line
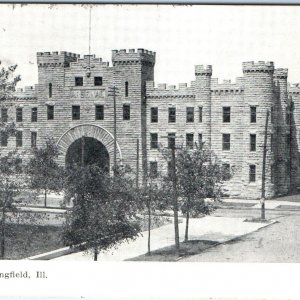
168 253
27 240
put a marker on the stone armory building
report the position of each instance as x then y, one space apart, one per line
74 99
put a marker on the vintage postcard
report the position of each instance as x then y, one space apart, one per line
149 151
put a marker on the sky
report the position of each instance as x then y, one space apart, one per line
181 36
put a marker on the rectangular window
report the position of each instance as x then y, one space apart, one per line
19 114
50 112
97 81
226 141
200 114
4 114
75 112
34 114
190 114
99 112
252 142
226 114
171 140
154 114
154 140
78 81
126 88
19 139
126 112
172 114
33 139
153 169
252 114
4 139
190 140
252 173
200 140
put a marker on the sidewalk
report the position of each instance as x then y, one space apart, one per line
216 229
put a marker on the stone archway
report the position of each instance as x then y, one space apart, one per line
91 131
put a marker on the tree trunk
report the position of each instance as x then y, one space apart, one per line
45 203
96 254
149 228
186 236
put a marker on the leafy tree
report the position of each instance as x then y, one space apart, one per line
11 184
104 210
44 172
200 176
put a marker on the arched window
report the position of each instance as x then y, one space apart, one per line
50 90
126 88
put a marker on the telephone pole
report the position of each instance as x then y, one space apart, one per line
113 92
263 180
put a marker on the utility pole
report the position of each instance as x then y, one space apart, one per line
112 92
137 162
263 180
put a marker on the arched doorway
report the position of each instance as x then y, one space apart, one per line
87 151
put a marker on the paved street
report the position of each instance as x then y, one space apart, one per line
279 242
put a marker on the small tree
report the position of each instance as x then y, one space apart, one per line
200 176
44 172
105 207
11 184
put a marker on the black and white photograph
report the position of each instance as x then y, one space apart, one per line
149 137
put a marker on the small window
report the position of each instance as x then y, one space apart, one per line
4 115
4 139
50 90
154 114
78 81
200 140
171 140
226 114
200 114
252 114
34 114
190 140
99 112
97 81
172 114
226 141
50 112
153 169
226 171
190 114
126 112
252 173
19 139
252 142
33 139
19 114
75 112
126 89
154 140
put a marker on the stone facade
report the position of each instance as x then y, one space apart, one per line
229 118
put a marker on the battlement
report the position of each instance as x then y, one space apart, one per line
260 67
281 73
168 91
132 55
201 70
56 58
26 92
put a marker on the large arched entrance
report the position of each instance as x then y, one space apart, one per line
99 141
87 151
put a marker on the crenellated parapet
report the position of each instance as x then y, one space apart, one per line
133 56
258 67
203 70
281 73
56 59
294 89
170 91
90 59
227 87
28 92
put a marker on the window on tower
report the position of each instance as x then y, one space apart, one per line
252 173
99 112
226 114
50 90
97 81
50 112
252 142
154 114
126 88
153 140
226 141
126 111
172 114
190 114
252 114
78 81
75 112
34 114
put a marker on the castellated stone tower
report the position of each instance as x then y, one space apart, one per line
131 70
203 98
258 92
